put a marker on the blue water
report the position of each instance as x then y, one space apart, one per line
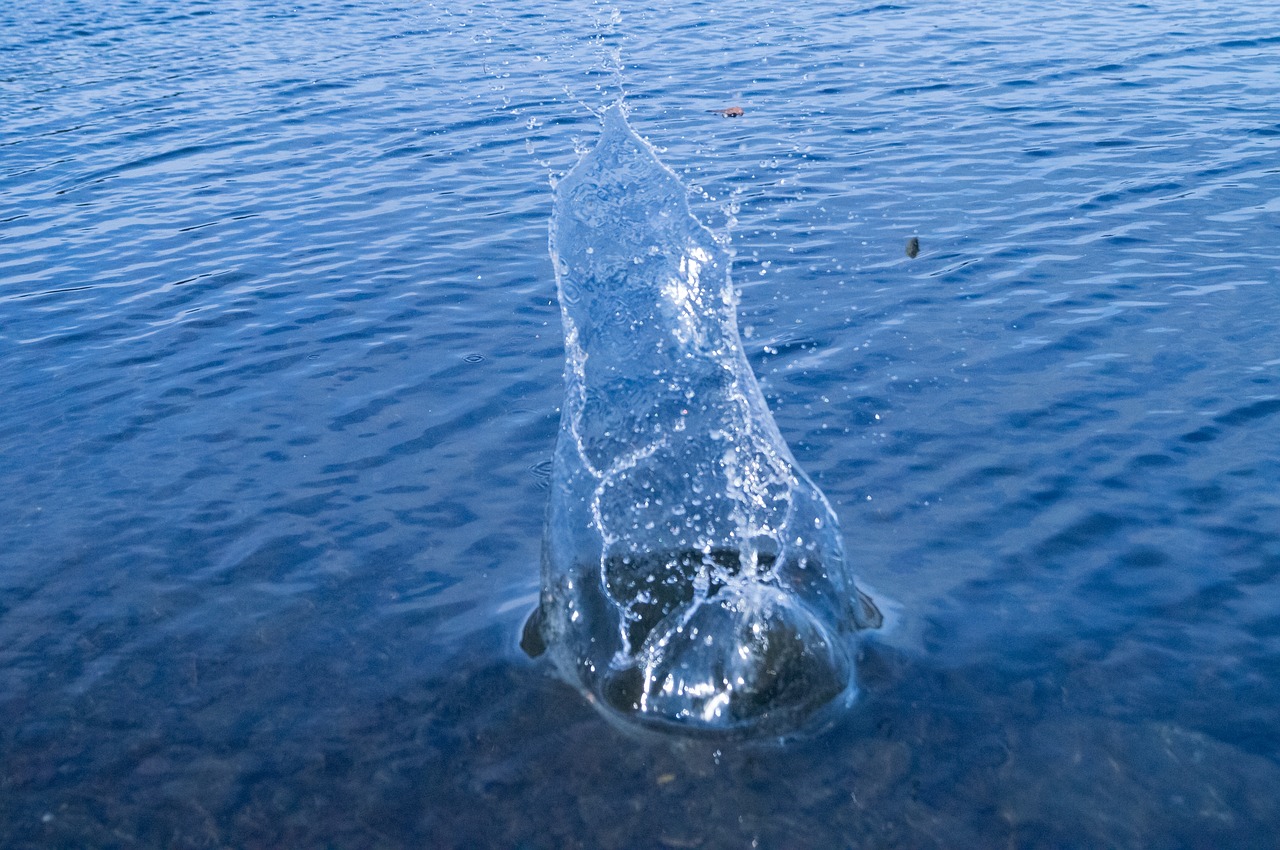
282 368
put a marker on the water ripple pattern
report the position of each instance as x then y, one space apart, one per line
282 369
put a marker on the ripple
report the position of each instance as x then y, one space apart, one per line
251 251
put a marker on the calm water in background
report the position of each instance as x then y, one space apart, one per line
281 375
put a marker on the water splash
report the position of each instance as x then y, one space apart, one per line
693 576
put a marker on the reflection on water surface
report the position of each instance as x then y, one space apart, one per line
282 376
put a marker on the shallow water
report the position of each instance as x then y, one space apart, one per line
281 386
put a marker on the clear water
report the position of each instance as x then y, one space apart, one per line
282 367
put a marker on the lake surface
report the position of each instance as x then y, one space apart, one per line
282 368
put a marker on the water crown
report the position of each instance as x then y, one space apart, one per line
693 576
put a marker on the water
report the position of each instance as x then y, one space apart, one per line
281 387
